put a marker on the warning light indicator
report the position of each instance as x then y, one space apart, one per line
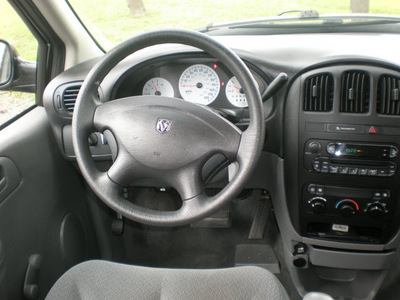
372 129
222 83
215 66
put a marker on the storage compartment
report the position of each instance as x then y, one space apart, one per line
345 233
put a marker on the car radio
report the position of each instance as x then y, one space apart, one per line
350 158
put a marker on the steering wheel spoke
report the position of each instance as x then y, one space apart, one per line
188 182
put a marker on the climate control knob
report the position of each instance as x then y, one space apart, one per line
318 204
347 207
376 210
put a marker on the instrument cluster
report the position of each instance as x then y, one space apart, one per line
203 81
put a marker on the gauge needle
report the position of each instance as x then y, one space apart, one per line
154 87
235 87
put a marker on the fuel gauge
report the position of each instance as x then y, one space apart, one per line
158 86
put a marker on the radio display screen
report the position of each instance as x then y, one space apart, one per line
368 151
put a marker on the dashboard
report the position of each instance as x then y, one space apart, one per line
331 159
338 100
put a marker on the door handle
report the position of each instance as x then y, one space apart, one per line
10 178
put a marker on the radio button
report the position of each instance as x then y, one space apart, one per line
353 171
363 171
325 168
372 172
343 170
325 165
382 173
392 169
394 152
331 148
333 169
317 166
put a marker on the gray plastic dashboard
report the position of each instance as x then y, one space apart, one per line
269 55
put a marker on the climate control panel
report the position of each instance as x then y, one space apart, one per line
346 202
328 210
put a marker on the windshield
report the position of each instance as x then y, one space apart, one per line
111 22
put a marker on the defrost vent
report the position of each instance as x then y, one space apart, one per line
69 97
318 93
355 92
387 98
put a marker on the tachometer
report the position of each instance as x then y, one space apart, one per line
199 84
158 86
235 93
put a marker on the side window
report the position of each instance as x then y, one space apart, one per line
15 32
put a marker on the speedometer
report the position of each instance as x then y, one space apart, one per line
199 84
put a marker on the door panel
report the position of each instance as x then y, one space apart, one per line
9 177
43 207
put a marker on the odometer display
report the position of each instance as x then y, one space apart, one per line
199 84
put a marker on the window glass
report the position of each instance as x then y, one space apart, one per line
15 32
111 22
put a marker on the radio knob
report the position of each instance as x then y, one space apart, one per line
376 211
314 147
318 205
347 207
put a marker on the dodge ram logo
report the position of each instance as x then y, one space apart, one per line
163 125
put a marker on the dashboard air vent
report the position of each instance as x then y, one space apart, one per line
355 92
318 94
69 97
387 100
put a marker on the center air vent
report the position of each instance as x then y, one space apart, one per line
318 94
355 92
69 97
387 100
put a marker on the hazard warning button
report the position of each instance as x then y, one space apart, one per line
373 130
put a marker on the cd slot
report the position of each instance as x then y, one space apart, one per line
358 162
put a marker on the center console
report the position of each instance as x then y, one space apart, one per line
347 156
341 216
341 212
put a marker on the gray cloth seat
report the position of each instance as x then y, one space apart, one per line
107 280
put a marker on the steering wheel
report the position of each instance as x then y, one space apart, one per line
165 138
